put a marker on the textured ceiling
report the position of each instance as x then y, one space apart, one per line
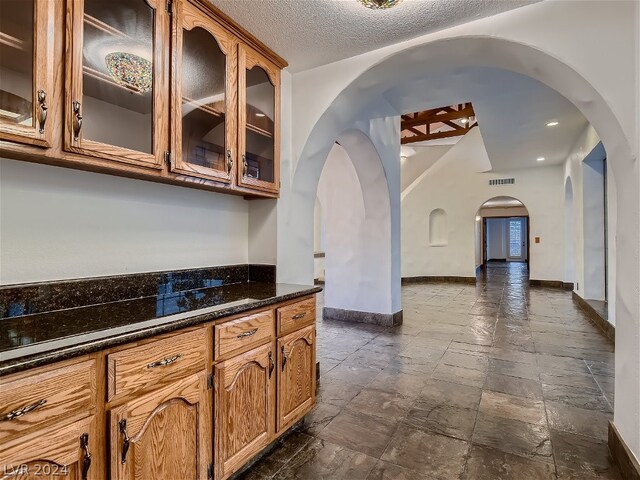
309 33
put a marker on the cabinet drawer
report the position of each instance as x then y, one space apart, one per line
242 334
156 363
45 396
296 315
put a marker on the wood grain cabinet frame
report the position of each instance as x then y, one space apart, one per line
40 133
75 123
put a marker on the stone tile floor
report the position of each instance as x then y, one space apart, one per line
494 381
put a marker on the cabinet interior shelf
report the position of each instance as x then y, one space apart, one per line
13 42
259 131
104 27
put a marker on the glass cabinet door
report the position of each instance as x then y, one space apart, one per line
259 118
116 106
202 119
26 71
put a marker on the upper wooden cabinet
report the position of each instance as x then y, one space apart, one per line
171 91
26 71
116 103
204 96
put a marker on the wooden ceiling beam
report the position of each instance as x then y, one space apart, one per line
453 115
434 136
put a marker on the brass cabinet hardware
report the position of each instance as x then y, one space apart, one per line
272 364
247 333
229 162
18 412
245 165
298 316
125 441
164 361
42 115
86 461
77 120
284 358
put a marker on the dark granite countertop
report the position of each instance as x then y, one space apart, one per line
34 339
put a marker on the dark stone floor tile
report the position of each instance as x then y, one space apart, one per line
568 474
521 387
358 431
513 369
429 454
580 453
353 375
321 460
462 375
404 384
464 360
566 418
589 399
512 436
337 392
380 403
284 451
571 379
491 464
443 419
510 406
439 392
319 417
389 471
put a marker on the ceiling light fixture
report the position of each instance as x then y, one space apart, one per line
553 123
130 70
540 159
259 114
379 4
464 120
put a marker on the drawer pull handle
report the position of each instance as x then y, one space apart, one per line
284 357
86 461
298 316
18 412
125 442
272 364
42 116
164 361
248 333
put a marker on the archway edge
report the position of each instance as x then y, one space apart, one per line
524 205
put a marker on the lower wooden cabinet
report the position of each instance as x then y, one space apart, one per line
163 435
296 376
61 452
244 408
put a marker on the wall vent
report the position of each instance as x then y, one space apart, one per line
502 181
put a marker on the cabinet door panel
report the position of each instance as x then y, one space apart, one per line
259 121
60 452
296 376
26 71
117 106
203 96
244 408
165 434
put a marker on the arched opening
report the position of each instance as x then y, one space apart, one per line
569 233
502 233
365 104
354 199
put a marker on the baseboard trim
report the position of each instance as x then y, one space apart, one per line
551 284
622 456
605 327
438 279
354 316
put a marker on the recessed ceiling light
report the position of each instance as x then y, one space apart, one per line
259 114
464 120
552 123
540 159
379 4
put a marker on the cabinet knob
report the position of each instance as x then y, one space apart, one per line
77 120
42 114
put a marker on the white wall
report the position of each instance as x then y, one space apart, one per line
262 231
539 188
593 224
59 223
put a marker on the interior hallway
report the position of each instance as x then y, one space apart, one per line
496 381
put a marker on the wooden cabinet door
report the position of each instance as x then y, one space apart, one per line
258 121
244 408
296 376
203 103
117 69
61 452
26 71
165 434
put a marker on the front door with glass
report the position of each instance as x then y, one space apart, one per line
517 239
